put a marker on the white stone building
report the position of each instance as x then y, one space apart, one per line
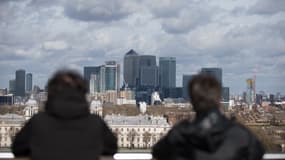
31 108
10 124
141 131
96 107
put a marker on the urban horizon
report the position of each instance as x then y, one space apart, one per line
179 80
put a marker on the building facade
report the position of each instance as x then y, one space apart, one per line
10 124
7 99
141 131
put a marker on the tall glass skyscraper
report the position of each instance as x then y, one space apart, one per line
167 72
148 71
185 81
131 69
12 86
29 82
215 72
88 70
112 75
103 78
20 82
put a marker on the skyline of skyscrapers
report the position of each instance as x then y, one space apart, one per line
20 82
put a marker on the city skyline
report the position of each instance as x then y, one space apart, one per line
244 38
95 69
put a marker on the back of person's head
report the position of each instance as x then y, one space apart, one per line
65 82
67 95
205 92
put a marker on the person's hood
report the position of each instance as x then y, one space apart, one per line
67 105
206 133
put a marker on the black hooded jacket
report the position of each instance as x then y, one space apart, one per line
210 137
66 130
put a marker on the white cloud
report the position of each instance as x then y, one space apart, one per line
55 45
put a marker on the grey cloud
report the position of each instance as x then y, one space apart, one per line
6 1
268 7
166 8
45 3
188 19
99 10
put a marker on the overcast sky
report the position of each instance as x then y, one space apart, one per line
243 37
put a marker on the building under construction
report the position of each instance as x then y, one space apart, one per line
250 94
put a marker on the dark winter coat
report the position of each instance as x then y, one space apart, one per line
210 137
66 130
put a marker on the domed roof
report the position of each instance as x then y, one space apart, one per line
131 53
31 101
95 104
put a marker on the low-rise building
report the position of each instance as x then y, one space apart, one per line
31 108
141 131
10 124
96 107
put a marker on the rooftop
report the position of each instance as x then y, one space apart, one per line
135 120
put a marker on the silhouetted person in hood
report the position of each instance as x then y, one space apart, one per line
211 136
66 129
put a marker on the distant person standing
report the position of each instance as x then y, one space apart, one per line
211 136
66 129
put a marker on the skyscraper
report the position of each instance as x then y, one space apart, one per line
148 69
29 82
103 78
112 75
215 72
88 70
131 69
167 72
148 76
20 82
226 94
93 84
185 81
12 86
250 97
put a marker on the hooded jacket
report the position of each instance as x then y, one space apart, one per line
210 137
66 130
